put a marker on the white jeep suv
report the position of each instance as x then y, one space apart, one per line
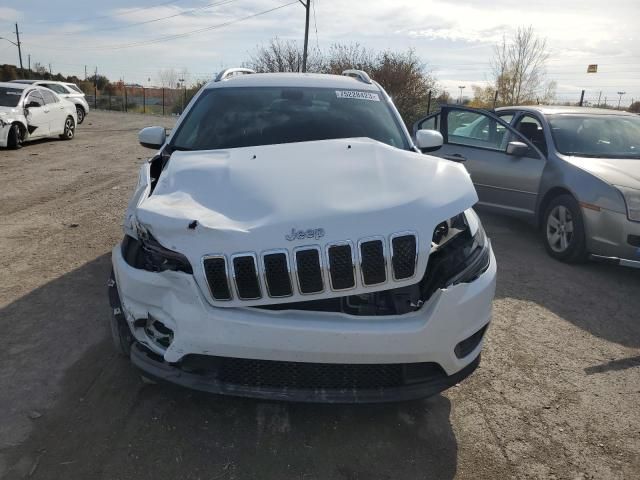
289 241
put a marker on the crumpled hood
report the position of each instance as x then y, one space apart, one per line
249 199
623 172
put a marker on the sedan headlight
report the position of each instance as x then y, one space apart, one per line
632 200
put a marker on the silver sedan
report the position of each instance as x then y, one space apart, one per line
573 171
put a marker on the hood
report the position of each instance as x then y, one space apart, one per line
248 199
623 172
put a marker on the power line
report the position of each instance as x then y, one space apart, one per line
145 22
178 35
113 15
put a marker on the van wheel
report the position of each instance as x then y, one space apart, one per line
563 232
80 112
69 129
15 137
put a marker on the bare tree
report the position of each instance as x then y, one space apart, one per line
168 78
519 69
402 74
283 56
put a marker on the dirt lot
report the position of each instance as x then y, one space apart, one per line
557 394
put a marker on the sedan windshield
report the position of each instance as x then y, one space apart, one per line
249 116
9 97
601 136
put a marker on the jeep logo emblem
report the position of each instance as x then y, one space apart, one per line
316 233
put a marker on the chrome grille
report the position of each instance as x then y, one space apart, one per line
309 270
341 266
276 274
245 274
280 274
372 262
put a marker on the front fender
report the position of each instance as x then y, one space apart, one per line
5 127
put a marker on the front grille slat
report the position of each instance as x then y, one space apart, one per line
216 271
309 270
277 275
246 277
372 262
341 267
404 256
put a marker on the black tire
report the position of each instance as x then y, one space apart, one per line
80 112
15 137
69 129
564 239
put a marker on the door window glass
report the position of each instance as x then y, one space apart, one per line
531 129
507 117
475 129
55 87
35 97
49 97
430 123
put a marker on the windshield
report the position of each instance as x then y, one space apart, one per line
249 116
9 97
602 136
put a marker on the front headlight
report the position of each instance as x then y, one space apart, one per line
459 253
146 253
632 200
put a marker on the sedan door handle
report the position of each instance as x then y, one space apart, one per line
456 157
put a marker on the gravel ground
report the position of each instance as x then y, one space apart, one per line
556 396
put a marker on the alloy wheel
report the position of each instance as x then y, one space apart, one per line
559 228
69 128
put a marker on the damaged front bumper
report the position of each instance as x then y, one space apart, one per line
288 354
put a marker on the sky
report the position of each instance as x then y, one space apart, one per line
133 39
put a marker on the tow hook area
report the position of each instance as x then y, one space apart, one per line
120 332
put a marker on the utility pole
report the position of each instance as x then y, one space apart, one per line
461 87
620 98
19 47
307 7
85 73
29 57
50 71
581 98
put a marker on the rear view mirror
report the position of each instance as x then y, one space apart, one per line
517 149
152 137
429 140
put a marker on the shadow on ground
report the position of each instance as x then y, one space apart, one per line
94 418
601 299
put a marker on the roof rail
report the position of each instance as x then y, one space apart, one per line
359 74
227 72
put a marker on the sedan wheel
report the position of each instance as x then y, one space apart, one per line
15 137
564 229
69 129
559 229
80 112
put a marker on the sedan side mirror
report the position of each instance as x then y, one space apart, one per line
32 105
152 137
429 140
517 149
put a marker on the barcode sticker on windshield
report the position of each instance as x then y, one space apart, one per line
358 95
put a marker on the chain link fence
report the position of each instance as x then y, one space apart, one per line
156 101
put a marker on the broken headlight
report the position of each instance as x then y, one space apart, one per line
146 253
459 252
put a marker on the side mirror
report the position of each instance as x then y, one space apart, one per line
517 149
429 140
32 105
152 137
